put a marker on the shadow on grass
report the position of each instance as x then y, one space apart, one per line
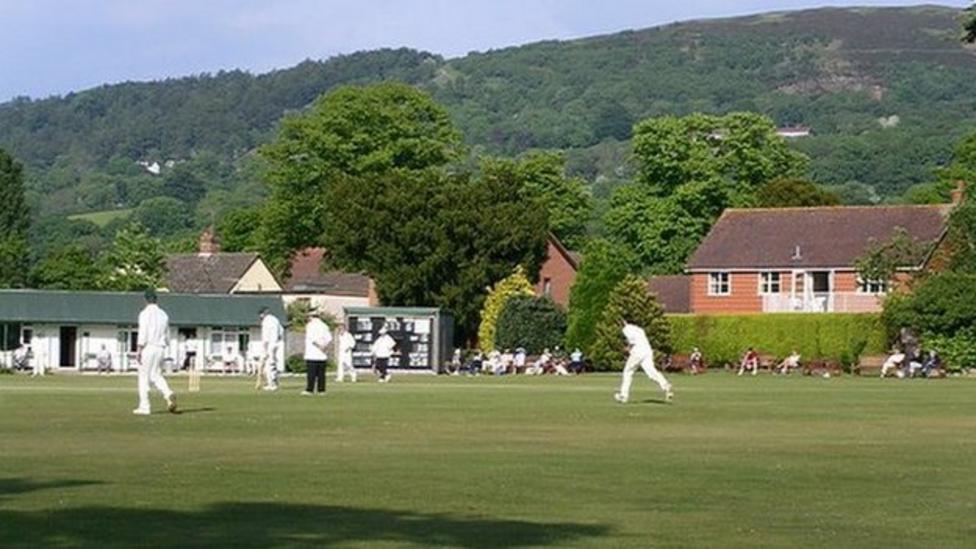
660 401
12 486
266 524
195 410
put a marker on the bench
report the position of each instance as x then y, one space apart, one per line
870 365
819 367
682 363
767 362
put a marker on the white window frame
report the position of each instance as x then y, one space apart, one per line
715 283
766 282
872 287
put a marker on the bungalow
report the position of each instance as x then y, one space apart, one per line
211 271
802 259
67 329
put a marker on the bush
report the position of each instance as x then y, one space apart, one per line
535 323
516 284
629 300
295 364
841 337
958 351
604 266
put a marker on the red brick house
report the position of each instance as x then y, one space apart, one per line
802 259
557 274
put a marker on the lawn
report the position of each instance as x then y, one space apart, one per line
101 218
486 462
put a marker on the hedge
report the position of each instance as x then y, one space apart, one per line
721 339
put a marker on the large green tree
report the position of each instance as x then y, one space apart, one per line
533 323
604 265
135 262
14 224
163 216
784 193
350 132
542 174
430 238
969 24
688 170
516 284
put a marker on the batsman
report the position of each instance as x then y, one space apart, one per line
271 336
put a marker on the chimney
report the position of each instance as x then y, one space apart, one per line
209 243
958 193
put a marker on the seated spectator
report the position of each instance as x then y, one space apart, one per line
21 357
476 364
750 360
505 363
539 366
895 360
695 362
932 362
576 361
791 362
519 360
454 368
232 361
104 360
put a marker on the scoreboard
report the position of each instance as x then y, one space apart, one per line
424 337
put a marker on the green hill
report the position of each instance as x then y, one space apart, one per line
886 92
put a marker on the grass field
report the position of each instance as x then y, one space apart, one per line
101 218
487 462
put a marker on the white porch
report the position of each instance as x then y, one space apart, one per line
810 291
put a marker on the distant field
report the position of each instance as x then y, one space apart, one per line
492 462
101 218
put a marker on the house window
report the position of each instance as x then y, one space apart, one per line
872 286
547 287
719 284
9 336
769 283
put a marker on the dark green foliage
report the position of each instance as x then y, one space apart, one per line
69 268
135 261
350 132
433 239
533 323
14 223
604 265
724 338
163 216
882 259
969 24
237 229
630 299
784 193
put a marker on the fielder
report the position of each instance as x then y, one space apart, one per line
641 355
271 335
382 350
346 344
317 340
153 336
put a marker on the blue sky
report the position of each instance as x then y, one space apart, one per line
55 46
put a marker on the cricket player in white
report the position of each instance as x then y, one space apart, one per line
346 344
641 355
382 351
271 333
152 341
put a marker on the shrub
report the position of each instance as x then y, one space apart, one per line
535 323
295 364
841 337
629 299
515 284
604 265
958 351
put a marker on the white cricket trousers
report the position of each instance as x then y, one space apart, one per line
645 361
270 365
150 370
345 367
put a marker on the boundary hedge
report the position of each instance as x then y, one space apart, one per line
723 338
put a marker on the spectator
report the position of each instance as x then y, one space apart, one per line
505 362
455 366
540 365
695 361
789 363
519 360
932 362
104 361
576 361
750 360
895 360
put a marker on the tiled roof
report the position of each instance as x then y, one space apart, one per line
206 273
306 277
673 292
833 236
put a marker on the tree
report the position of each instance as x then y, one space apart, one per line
237 229
163 216
349 132
882 259
135 262
68 268
604 265
533 323
516 284
629 300
14 223
416 235
184 184
543 175
785 193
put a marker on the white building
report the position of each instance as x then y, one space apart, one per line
66 329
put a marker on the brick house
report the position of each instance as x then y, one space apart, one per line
802 259
330 290
558 272
212 271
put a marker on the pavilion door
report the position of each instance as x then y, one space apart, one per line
68 347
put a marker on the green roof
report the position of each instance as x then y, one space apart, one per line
70 307
393 311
